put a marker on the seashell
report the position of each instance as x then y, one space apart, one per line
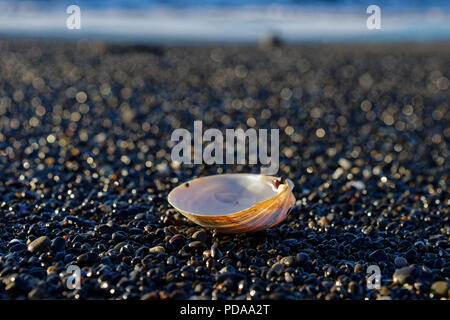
234 203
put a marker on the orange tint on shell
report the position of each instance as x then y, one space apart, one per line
260 216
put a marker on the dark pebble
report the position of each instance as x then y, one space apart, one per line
177 241
58 244
400 262
197 245
235 277
215 251
86 258
302 258
119 236
200 235
378 255
18 247
411 254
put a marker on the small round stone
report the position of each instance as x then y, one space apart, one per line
200 235
400 262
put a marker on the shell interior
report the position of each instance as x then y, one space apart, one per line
224 194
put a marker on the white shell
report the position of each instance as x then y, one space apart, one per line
234 202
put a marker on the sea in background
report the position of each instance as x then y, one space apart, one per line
177 21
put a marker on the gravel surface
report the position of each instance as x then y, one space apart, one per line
85 170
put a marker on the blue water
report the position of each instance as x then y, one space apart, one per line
229 20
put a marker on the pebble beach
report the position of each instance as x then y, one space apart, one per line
85 169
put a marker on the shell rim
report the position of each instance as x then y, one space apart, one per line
289 185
